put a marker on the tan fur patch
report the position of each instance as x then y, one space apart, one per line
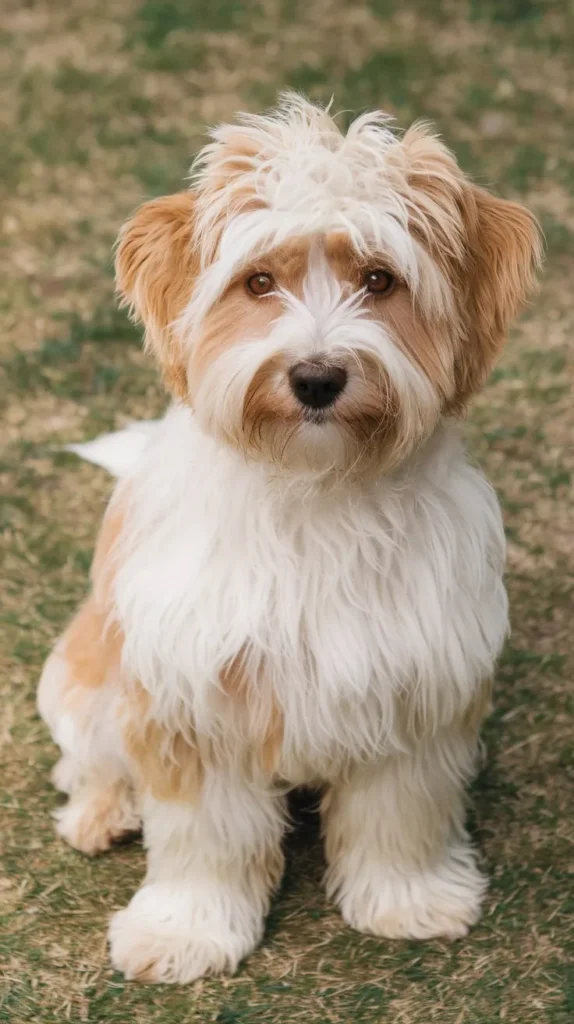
272 742
489 248
435 189
91 648
98 816
429 344
102 570
156 266
238 686
235 318
240 316
167 764
270 408
368 408
227 165
349 265
504 251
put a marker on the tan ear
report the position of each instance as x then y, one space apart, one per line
504 251
490 247
155 270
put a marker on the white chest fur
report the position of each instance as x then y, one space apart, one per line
343 603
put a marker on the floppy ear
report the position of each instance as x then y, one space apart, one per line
155 269
489 247
503 253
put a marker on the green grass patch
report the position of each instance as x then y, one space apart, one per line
155 21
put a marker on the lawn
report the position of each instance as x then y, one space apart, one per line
102 105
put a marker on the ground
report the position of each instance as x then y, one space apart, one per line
104 104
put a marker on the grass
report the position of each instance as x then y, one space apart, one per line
105 104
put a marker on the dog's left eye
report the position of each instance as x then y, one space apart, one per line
260 284
379 282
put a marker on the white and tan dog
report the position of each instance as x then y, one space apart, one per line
299 579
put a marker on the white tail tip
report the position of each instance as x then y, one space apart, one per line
120 451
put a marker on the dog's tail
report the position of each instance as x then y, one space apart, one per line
119 452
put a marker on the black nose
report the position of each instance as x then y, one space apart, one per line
317 385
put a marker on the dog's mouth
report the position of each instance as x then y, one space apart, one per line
317 416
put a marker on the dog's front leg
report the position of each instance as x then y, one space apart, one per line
400 862
212 865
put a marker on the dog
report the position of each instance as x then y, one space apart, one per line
299 579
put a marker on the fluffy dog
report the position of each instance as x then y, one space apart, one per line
299 580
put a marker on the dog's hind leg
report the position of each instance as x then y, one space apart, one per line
79 697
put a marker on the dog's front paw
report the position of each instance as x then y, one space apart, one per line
173 934
444 901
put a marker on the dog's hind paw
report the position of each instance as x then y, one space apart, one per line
95 818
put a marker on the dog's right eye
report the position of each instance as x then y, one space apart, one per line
260 284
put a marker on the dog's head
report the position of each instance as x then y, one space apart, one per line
321 299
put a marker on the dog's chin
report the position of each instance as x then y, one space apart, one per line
319 443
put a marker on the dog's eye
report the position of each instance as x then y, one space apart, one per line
379 282
260 284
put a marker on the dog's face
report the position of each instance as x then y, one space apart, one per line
322 300
304 357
